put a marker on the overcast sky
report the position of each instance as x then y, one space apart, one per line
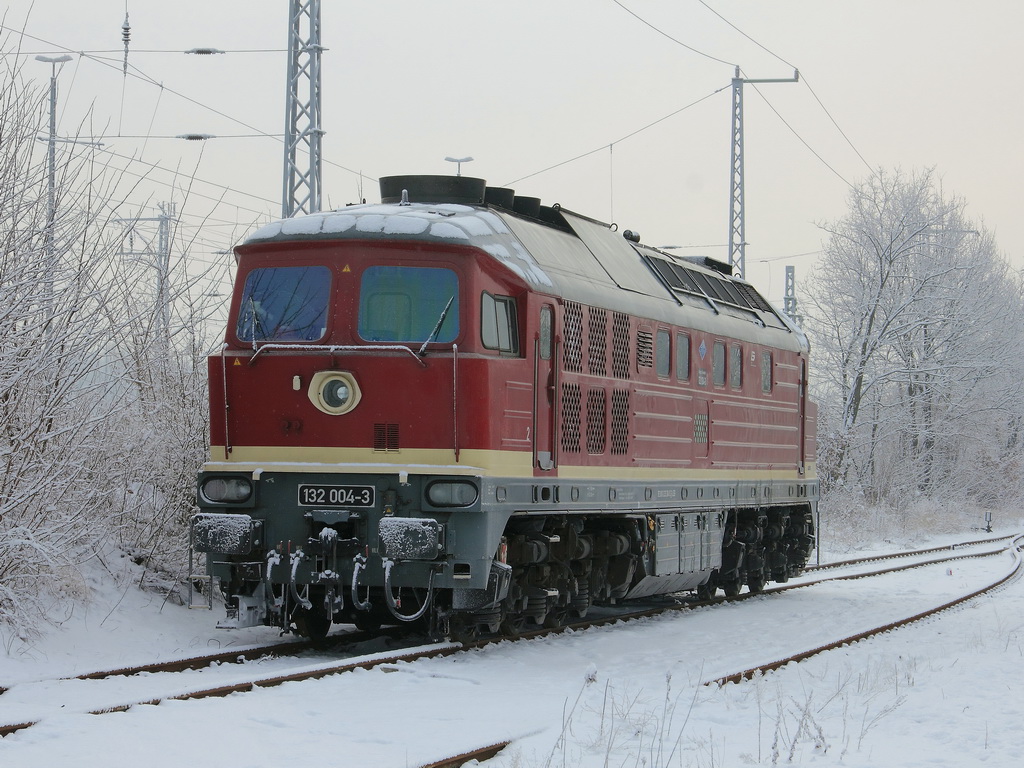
523 86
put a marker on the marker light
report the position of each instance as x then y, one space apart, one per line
226 490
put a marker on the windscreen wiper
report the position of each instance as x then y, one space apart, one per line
257 326
437 328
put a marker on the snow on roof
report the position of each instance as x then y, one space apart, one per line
442 222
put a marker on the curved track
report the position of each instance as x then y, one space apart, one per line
445 649
1015 572
484 753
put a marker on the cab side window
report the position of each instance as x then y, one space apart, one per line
682 357
766 371
547 335
663 353
736 366
718 364
499 327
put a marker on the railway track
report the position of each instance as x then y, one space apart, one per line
907 553
337 642
370 661
481 754
1015 572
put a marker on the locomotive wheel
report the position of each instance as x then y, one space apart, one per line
366 622
732 587
512 625
312 623
463 629
755 583
706 592
556 618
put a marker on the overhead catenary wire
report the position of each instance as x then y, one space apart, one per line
802 140
134 71
174 51
751 39
803 79
675 40
138 74
99 57
164 169
621 139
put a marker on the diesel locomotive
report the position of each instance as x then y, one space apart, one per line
465 408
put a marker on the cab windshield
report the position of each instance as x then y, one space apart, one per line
407 304
284 304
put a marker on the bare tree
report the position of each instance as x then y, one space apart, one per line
102 384
914 315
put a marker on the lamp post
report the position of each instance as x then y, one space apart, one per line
51 155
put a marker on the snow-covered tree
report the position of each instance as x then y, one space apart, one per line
102 381
914 317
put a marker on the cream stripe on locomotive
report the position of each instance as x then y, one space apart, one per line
471 462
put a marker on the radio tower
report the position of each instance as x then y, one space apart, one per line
737 225
302 130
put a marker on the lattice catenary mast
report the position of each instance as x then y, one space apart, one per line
737 226
302 130
789 300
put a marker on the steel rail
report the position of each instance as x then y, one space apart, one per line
906 553
307 674
1014 548
265 682
289 648
298 646
454 648
481 754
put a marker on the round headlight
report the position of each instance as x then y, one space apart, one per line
226 490
334 392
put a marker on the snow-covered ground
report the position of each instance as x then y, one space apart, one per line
945 692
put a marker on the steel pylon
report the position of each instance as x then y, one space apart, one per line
302 130
737 224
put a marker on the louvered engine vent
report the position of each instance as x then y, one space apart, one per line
385 437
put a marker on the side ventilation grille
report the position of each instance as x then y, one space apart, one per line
571 417
573 337
596 406
620 345
644 349
385 437
597 337
620 422
700 428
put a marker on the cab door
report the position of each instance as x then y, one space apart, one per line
544 386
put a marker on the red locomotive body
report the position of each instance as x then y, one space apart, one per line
503 412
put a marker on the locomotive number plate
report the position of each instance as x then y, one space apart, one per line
336 495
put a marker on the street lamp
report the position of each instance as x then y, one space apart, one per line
51 157
459 161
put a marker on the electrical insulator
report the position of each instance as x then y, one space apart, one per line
126 35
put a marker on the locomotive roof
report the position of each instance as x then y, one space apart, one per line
568 255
